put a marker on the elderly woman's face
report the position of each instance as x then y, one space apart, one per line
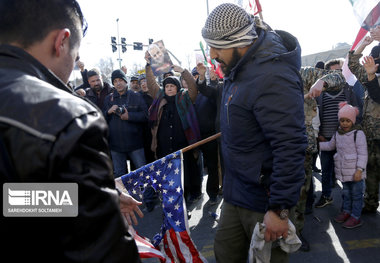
170 89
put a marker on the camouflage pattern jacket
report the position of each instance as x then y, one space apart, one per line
371 109
309 76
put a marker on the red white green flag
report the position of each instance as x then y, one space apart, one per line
367 13
255 6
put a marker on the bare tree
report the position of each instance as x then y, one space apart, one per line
106 67
135 69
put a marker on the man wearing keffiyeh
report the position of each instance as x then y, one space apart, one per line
262 124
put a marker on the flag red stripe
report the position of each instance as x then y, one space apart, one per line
174 239
167 249
359 37
143 240
258 6
146 249
150 255
189 243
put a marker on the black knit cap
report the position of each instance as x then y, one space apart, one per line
320 64
375 51
134 78
141 77
172 80
118 73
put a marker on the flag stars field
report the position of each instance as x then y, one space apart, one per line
175 224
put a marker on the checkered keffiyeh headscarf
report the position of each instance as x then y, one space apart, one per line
229 26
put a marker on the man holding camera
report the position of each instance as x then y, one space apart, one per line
126 113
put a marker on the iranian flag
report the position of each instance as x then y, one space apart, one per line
255 6
367 13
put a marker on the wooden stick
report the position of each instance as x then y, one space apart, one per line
119 184
208 139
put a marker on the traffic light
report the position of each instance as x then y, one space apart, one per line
123 45
150 41
113 44
137 46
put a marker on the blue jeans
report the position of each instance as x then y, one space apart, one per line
327 164
353 198
119 161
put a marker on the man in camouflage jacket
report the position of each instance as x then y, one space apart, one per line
371 128
309 76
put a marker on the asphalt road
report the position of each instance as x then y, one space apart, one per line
329 242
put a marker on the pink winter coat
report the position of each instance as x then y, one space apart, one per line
349 155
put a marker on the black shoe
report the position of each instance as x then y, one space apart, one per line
305 245
323 201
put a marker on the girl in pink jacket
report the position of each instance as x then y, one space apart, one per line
350 162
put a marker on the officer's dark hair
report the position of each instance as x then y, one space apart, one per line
332 62
26 22
93 72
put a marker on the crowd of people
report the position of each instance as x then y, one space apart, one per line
275 118
178 116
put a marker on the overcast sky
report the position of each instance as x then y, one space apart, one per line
318 25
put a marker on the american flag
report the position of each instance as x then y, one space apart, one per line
166 177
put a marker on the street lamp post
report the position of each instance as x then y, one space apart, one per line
118 41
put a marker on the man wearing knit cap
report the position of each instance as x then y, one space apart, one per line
125 112
135 85
366 73
262 124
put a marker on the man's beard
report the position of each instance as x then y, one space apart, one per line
97 88
227 68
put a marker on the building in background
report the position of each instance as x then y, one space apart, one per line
339 51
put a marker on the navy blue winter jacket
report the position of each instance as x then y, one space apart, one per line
262 124
126 135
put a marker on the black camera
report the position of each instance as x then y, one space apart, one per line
120 110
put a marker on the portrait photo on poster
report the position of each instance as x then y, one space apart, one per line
160 59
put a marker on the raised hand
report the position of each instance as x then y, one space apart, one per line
370 67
